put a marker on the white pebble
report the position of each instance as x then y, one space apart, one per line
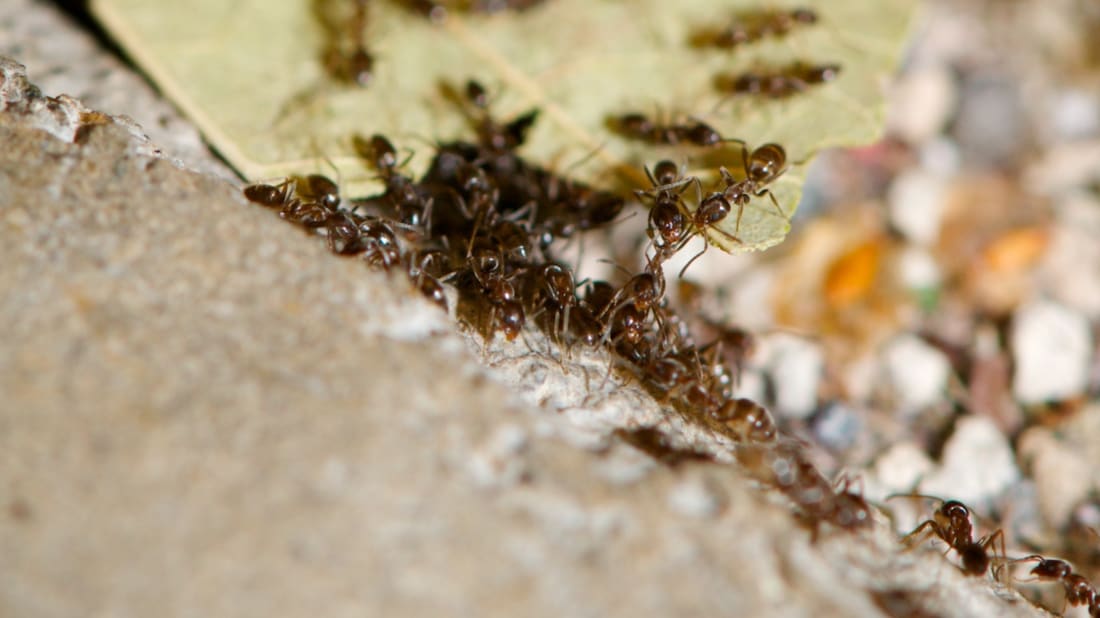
1051 347
917 372
795 366
918 270
1061 472
920 103
941 156
978 464
916 200
898 470
1074 114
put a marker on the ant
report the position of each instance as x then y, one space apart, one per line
754 25
555 290
403 195
497 138
640 127
747 420
1078 589
780 83
420 272
667 224
317 188
762 167
632 303
951 523
486 265
345 56
271 196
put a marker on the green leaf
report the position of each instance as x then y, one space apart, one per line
247 72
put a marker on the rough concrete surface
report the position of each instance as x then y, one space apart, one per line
203 413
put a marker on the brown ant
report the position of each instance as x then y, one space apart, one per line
555 290
403 195
640 127
271 196
629 307
1078 589
345 57
317 188
754 25
951 523
495 137
762 166
486 265
747 420
667 224
778 83
423 270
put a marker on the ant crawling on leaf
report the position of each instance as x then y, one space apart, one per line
753 25
345 57
640 127
761 167
778 83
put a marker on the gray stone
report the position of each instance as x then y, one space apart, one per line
917 372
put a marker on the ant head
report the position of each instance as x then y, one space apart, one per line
664 173
1049 568
954 510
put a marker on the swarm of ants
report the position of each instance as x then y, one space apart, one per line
485 220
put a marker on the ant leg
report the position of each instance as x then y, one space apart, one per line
928 523
774 202
745 158
706 243
990 542
740 213
428 217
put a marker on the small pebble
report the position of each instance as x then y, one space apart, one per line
897 471
916 201
1062 474
795 366
990 126
1074 114
978 464
940 155
918 270
1052 346
837 426
1071 268
921 102
917 372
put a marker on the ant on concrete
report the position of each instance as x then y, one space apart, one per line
1079 591
951 523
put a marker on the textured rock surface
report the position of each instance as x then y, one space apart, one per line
204 413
